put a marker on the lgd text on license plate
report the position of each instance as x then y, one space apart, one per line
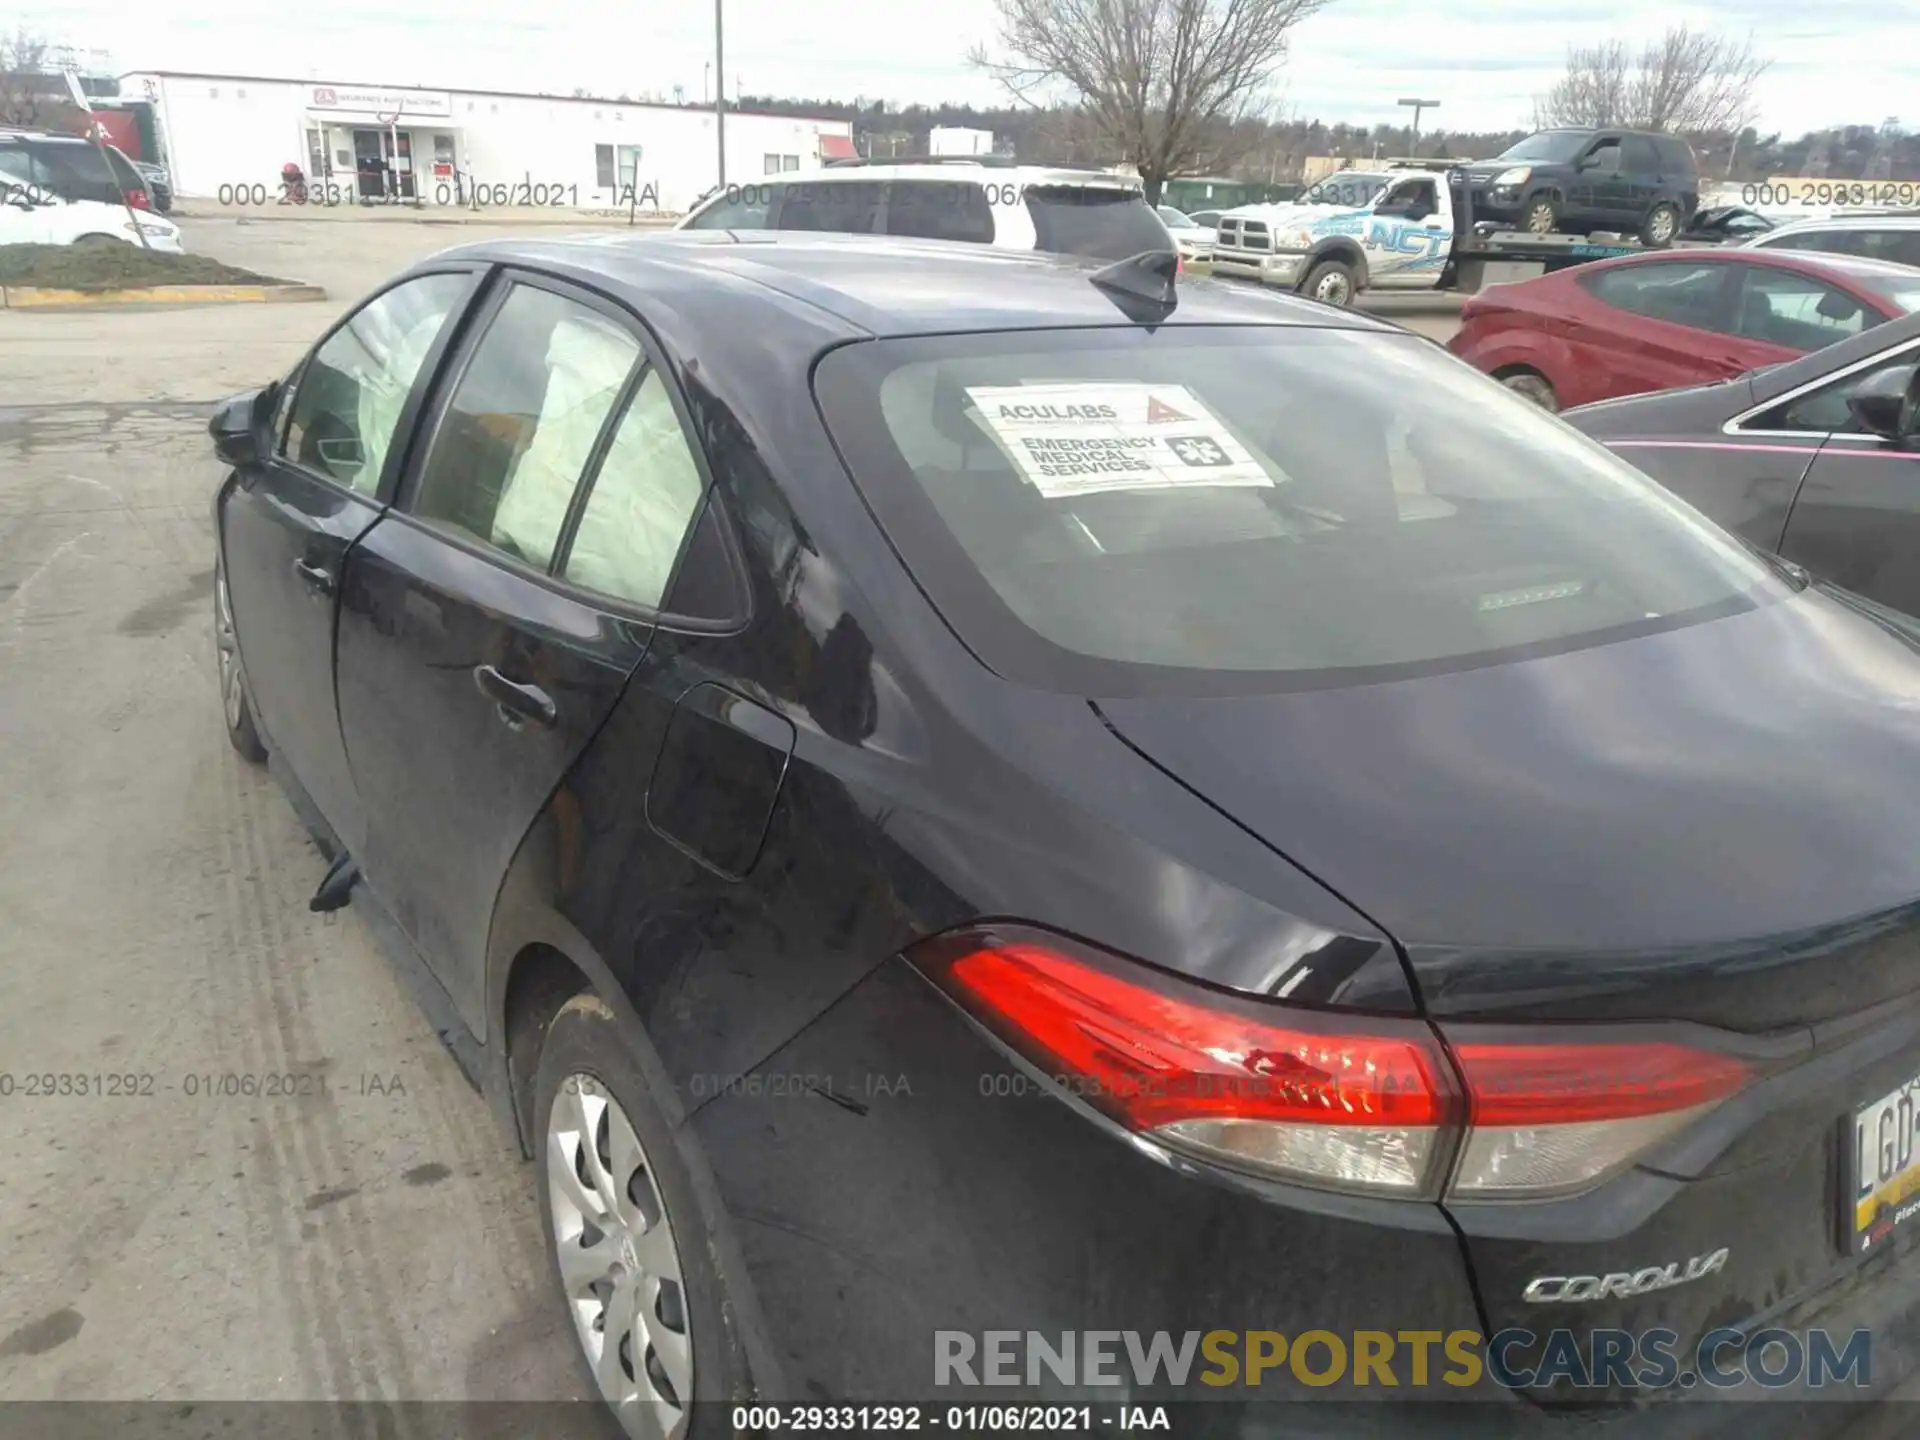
1886 1166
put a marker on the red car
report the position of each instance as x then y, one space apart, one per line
1674 318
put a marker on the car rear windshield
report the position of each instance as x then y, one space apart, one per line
1099 221
1228 509
1551 147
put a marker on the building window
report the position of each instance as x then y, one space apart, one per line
603 166
213 92
789 162
316 152
771 165
629 165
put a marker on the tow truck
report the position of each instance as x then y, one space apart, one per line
1406 225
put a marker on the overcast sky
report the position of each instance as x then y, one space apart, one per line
1832 65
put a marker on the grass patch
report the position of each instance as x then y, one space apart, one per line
115 267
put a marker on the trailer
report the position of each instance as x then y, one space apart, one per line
1406 226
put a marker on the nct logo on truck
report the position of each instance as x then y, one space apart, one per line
1622 1285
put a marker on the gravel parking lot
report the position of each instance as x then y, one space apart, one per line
240 1165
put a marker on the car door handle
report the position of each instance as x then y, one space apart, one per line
517 703
319 579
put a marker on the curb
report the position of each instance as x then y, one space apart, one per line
35 297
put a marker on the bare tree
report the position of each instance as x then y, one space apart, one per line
1161 81
1686 81
27 96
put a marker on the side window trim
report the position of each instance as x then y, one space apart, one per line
423 380
481 310
1907 349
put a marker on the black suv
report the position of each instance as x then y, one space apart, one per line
1632 181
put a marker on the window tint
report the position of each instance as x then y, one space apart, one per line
1605 157
1781 307
1233 499
843 208
939 210
643 499
743 207
74 171
516 434
351 390
1825 410
1095 221
1900 246
1678 293
1825 242
1638 155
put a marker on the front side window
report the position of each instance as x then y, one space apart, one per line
1783 307
740 207
352 388
644 497
1679 293
1824 411
1604 157
1346 187
521 424
1203 508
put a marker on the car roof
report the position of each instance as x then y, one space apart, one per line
884 286
1858 269
949 172
1852 220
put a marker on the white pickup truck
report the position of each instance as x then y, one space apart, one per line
1396 228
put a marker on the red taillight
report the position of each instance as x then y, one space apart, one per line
137 200
1361 1103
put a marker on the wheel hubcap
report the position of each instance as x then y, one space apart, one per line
1540 220
228 652
1333 289
619 1264
1662 228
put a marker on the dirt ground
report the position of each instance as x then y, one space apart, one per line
115 267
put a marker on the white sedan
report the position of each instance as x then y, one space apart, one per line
1195 242
30 216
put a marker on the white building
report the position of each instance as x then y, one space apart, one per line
453 146
959 140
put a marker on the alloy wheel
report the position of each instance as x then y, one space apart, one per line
619 1263
1540 218
232 689
1660 225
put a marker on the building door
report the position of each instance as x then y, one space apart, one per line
370 157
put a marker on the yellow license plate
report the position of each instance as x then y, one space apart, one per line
1886 1166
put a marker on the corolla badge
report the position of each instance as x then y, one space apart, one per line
1622 1285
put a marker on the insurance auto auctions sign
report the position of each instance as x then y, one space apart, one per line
1072 440
358 100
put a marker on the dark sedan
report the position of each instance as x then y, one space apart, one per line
948 794
1676 317
1818 460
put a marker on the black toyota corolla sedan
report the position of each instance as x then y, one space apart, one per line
1817 460
957 801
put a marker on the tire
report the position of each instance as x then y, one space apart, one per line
1331 282
1661 225
1535 387
588 1079
236 706
1542 215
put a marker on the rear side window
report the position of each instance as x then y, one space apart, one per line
522 422
1229 509
939 210
1095 221
1677 293
1676 156
1640 156
849 208
1828 242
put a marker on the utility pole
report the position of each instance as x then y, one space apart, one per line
1413 145
720 89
